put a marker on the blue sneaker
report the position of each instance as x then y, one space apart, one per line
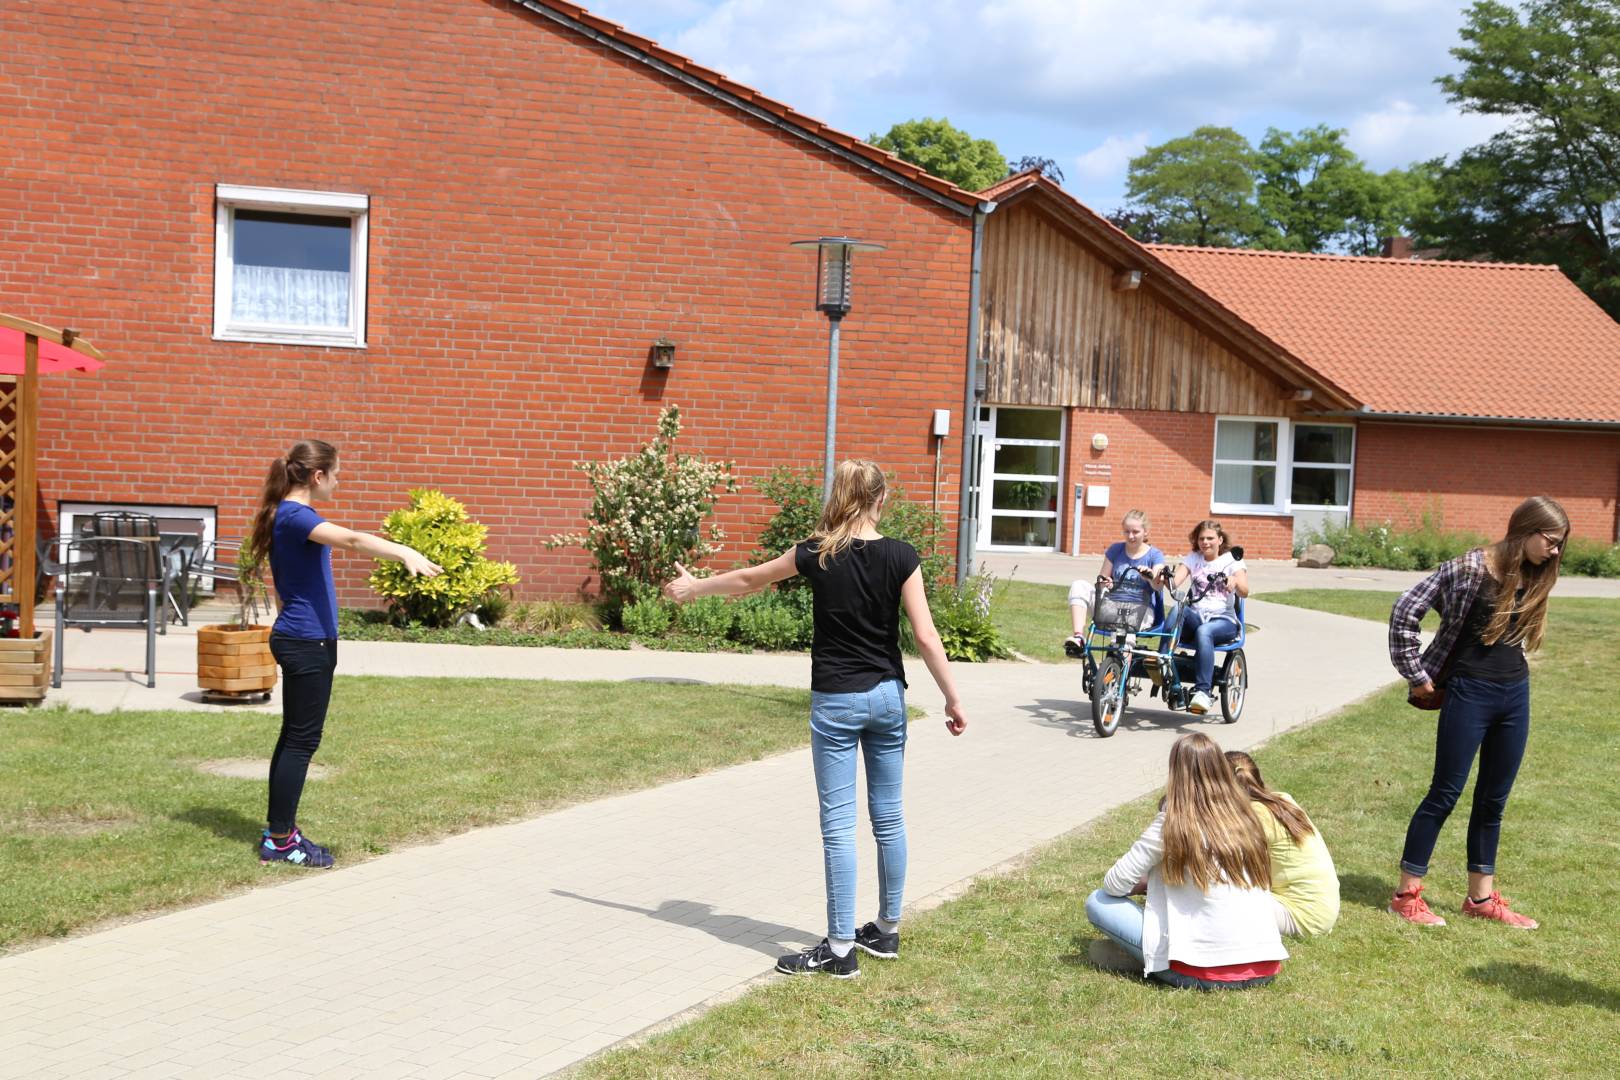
296 850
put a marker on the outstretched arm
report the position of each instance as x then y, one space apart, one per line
747 579
375 546
915 600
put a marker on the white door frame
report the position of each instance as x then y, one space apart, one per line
984 492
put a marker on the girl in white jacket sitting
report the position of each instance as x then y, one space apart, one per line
1204 863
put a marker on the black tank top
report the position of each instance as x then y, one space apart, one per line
1501 662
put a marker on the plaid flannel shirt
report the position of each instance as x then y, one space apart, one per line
1450 590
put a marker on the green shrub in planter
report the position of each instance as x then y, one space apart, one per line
438 527
645 618
708 617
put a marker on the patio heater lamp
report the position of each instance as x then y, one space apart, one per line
833 291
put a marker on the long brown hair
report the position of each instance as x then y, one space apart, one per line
1537 514
1210 832
857 492
306 458
1209 525
1295 822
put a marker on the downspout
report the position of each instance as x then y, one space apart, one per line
966 522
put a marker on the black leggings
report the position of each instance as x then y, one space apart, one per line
306 689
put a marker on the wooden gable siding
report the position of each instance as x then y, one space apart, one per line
1055 332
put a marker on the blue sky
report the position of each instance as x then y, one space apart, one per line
1089 83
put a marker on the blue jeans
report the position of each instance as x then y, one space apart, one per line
1120 918
1491 719
1203 633
874 720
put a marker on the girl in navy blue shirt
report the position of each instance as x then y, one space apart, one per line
298 543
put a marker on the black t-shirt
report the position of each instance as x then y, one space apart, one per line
1501 662
857 607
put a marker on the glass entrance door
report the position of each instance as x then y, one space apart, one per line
1020 465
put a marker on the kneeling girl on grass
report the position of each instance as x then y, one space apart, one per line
1209 921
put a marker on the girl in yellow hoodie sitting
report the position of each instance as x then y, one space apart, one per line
1304 885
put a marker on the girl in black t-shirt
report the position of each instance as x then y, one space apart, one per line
859 579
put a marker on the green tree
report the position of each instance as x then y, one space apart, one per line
1198 189
1386 204
945 151
1306 184
1548 188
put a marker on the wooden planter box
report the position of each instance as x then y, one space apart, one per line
232 660
25 667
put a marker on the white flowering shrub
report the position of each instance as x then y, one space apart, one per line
648 513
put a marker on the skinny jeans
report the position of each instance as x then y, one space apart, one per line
307 666
874 722
1204 632
1483 718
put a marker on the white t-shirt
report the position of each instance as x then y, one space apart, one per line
1218 598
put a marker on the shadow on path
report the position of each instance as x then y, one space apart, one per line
769 939
1074 718
1528 982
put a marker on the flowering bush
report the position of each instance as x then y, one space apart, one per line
647 513
438 527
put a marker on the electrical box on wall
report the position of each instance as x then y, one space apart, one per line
1096 494
942 422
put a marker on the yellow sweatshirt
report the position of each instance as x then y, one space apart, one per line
1302 876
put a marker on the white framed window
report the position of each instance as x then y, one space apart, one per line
1271 465
290 266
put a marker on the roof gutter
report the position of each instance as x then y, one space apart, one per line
966 524
736 102
1365 413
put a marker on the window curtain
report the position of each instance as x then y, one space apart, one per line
290 296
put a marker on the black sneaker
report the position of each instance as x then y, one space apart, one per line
820 960
874 942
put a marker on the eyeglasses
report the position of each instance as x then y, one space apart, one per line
1554 543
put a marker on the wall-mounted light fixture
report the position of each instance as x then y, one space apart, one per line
663 353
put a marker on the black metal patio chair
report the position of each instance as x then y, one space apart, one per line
109 582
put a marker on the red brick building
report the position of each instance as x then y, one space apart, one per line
445 236
1277 391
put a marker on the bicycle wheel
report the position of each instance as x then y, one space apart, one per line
1234 686
1108 695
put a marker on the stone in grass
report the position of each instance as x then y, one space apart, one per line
1316 557
252 768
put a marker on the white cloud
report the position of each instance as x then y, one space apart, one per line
1401 132
1108 159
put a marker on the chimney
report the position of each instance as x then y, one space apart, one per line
1397 247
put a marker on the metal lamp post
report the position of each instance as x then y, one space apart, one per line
833 291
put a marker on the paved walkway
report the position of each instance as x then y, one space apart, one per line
521 949
1265 575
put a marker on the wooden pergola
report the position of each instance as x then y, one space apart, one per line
19 494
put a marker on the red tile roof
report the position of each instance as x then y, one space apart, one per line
1490 340
881 161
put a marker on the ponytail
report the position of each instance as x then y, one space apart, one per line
306 458
1295 822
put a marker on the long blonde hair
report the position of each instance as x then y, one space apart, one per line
857 496
1210 832
1537 514
1295 822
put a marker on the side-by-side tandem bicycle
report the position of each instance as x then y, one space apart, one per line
1132 641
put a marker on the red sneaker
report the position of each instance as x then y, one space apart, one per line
1496 908
1414 909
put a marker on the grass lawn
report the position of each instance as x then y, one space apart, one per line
1033 619
104 815
995 983
1360 603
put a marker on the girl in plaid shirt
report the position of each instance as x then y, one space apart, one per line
1493 609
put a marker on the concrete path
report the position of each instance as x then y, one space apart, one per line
1265 575
518 950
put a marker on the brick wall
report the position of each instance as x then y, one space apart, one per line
541 209
1160 462
1476 476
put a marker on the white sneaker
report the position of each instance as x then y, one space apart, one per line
1200 703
